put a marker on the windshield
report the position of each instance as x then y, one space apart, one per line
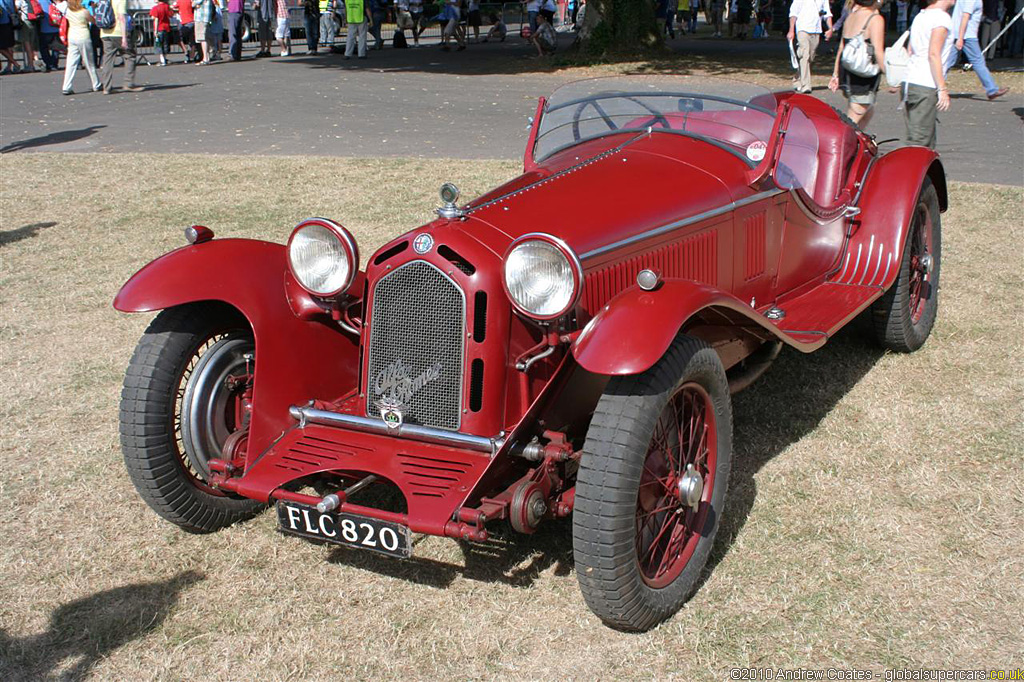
734 115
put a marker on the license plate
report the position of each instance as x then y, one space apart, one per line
362 532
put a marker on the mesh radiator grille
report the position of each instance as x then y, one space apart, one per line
417 336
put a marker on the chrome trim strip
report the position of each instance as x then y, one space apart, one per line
867 261
680 223
856 263
878 265
423 434
469 210
888 264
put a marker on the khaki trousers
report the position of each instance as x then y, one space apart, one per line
920 104
806 46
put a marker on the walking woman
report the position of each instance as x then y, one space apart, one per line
864 31
79 46
925 94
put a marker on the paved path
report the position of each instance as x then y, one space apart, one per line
416 102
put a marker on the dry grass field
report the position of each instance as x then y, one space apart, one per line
876 516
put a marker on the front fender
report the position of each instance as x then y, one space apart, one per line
887 204
297 359
634 329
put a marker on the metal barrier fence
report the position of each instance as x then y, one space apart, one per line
513 14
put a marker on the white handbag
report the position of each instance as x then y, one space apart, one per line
858 57
896 61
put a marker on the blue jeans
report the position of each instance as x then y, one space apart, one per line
312 32
972 50
236 26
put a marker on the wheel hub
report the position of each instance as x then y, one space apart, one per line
926 263
691 487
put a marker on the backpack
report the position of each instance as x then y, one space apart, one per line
35 10
858 56
103 13
56 16
399 40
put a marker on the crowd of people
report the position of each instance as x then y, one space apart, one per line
30 25
98 32
935 43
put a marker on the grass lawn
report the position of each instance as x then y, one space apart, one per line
875 517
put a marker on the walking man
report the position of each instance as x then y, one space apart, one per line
805 25
117 41
966 20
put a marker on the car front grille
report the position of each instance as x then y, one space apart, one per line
417 336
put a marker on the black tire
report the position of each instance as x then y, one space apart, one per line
606 519
154 453
897 326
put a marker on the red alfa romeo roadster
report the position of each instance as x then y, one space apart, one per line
564 345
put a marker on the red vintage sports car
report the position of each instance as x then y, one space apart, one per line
565 344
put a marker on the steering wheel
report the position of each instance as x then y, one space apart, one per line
658 116
600 111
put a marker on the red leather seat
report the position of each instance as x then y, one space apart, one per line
837 143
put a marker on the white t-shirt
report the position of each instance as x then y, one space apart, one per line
919 72
807 14
971 8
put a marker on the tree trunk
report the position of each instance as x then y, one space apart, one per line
619 26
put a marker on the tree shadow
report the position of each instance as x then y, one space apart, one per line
60 137
780 409
703 55
83 632
506 558
23 232
1020 113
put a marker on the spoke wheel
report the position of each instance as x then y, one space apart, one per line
920 263
652 485
674 497
187 392
904 316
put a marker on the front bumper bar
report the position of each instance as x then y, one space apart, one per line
423 434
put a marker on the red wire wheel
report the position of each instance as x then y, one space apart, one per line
905 314
680 459
920 238
651 486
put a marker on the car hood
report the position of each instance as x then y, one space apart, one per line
635 183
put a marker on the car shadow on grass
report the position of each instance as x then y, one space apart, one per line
23 232
85 631
507 558
780 409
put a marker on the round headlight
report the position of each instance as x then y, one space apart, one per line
542 276
322 256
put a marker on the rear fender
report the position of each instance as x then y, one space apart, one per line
635 328
887 202
297 358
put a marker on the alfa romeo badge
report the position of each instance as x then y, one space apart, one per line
422 243
391 413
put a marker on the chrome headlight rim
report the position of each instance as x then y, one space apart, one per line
348 244
575 267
